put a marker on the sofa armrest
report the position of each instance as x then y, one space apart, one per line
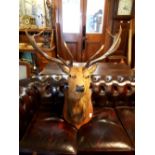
29 101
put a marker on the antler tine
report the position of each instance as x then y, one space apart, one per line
69 52
35 46
93 56
113 48
111 35
59 37
38 34
62 60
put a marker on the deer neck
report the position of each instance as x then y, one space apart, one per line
76 100
78 111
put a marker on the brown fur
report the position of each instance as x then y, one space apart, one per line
78 105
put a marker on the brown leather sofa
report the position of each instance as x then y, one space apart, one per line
43 131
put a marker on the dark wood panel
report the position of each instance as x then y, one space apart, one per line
91 48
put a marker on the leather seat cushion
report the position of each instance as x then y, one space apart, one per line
127 116
49 134
103 133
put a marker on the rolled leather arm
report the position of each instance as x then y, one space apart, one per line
29 101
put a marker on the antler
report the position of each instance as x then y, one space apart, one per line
113 48
34 44
93 56
69 52
59 36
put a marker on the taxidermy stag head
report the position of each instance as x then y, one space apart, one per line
78 108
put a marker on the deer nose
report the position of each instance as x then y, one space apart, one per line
80 88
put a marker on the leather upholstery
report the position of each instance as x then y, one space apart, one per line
127 117
49 134
43 130
29 100
103 133
52 134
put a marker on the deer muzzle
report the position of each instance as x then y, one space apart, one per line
80 88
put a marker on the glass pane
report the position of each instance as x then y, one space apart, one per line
124 7
33 10
71 16
95 14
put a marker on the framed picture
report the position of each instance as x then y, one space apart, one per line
124 9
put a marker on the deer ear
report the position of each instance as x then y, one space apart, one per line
92 68
64 68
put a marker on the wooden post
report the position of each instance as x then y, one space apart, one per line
129 55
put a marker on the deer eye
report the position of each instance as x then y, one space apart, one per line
72 76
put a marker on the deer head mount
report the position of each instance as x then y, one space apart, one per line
78 108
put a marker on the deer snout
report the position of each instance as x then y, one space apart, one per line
80 88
